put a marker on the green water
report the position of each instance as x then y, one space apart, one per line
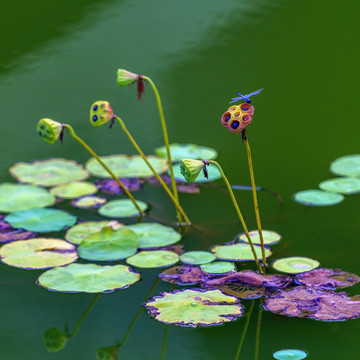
58 58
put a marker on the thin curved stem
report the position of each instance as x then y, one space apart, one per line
161 181
163 348
238 213
258 327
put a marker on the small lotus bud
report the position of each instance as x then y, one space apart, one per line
125 77
107 353
100 113
54 339
191 169
49 130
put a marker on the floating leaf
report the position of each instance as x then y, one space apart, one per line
295 264
108 244
121 208
348 165
74 189
317 198
289 354
41 220
54 339
153 259
89 202
270 237
88 278
8 233
38 253
187 151
111 187
197 257
343 185
126 166
238 252
152 235
16 197
238 290
218 267
49 172
213 174
183 275
193 307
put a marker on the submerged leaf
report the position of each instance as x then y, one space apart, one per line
183 275
240 291
121 208
238 252
318 198
295 264
153 259
74 189
342 185
348 165
187 151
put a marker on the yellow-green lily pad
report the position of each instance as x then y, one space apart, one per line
212 170
342 185
74 189
270 237
197 257
318 198
295 264
348 165
121 208
290 354
218 267
89 202
187 151
153 259
238 252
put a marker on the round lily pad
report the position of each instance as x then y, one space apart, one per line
197 257
290 354
88 278
348 165
16 197
49 172
193 307
79 232
317 198
238 252
183 275
213 174
295 264
126 166
343 185
239 290
152 235
218 267
109 245
270 237
41 220
187 151
153 259
74 189
89 202
121 208
38 253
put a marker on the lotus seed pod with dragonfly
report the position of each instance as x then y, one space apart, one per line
49 130
100 113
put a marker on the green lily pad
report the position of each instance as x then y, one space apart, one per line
295 264
79 232
40 220
197 257
193 307
343 185
152 235
89 202
49 172
218 267
317 198
38 253
121 208
153 259
290 354
187 151
126 166
16 197
88 278
270 237
109 245
74 189
348 165
213 174
238 252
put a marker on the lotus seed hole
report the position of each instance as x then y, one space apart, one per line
237 114
95 107
226 117
233 108
245 118
95 118
235 124
102 105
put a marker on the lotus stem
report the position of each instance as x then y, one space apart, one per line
161 181
238 213
163 348
258 327
88 148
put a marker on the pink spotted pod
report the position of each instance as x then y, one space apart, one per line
237 117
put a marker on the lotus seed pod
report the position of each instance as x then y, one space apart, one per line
125 77
100 113
191 169
237 117
49 130
54 339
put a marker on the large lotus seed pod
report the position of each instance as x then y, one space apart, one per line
100 113
125 77
237 117
49 130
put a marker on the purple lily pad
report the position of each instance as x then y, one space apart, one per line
183 275
240 291
8 233
111 187
182 186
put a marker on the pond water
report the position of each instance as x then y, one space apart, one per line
60 57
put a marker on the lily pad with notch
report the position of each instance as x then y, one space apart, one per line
197 257
187 151
348 165
238 252
270 237
74 189
342 185
318 198
89 202
121 208
153 259
295 264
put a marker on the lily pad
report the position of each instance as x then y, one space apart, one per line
41 220
89 202
270 237
79 232
218 267
111 187
238 290
74 189
290 354
38 253
121 208
88 278
213 174
318 198
183 275
187 151
49 172
342 185
126 166
193 307
295 264
348 165
197 257
109 245
238 252
152 235
153 259
16 197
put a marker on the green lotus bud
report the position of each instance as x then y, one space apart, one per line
191 169
107 353
49 130
54 339
100 113
125 77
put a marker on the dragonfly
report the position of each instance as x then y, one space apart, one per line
245 97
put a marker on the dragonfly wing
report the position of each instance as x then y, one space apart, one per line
252 94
